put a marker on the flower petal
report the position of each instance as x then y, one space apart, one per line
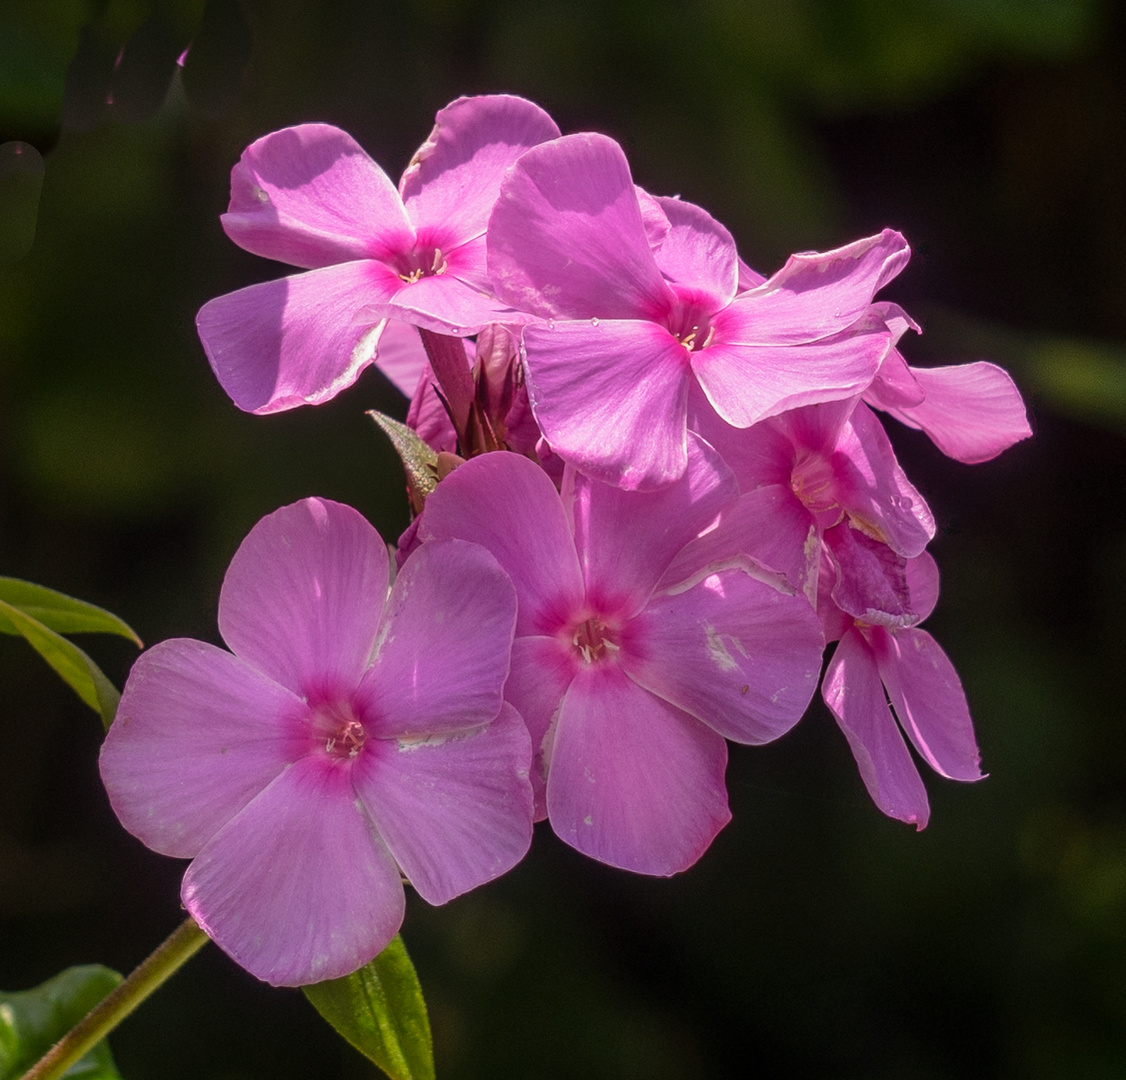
310 196
697 252
855 696
400 356
442 652
871 578
299 340
198 734
302 597
634 782
298 887
455 812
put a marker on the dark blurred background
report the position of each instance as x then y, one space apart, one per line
816 938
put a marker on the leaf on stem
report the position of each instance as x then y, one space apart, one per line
380 1011
59 612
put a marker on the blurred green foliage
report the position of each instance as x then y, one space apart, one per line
816 939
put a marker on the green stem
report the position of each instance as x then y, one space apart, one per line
179 947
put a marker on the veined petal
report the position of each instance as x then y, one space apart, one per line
310 196
971 411
198 734
733 652
442 303
302 597
698 252
442 651
855 696
929 701
566 237
611 398
894 386
509 506
634 782
455 175
455 812
400 356
300 340
298 887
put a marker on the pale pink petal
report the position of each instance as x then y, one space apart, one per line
456 811
611 398
298 888
198 734
566 238
749 278
400 356
855 696
634 782
302 597
698 252
455 175
929 701
309 196
759 455
971 411
735 653
746 383
817 295
626 539
894 386
922 583
871 578
300 340
442 652
491 500
443 303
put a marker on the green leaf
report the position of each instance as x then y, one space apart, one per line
380 1011
420 462
71 663
32 1021
60 612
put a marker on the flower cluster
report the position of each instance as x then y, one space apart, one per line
693 494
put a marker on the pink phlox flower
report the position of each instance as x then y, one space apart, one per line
629 326
351 733
971 412
629 687
309 196
873 663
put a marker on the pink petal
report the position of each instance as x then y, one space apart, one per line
300 340
442 652
427 415
443 303
198 734
731 651
929 701
509 506
455 175
400 356
298 888
633 781
922 584
611 398
309 196
566 238
895 386
455 812
855 696
816 295
303 594
698 252
871 580
971 411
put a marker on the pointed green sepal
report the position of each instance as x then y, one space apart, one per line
419 461
380 1011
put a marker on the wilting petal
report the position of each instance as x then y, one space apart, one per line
626 539
455 175
634 782
303 594
816 295
732 651
971 411
566 238
509 506
611 398
698 252
855 696
299 340
298 888
929 700
871 578
442 653
456 811
198 734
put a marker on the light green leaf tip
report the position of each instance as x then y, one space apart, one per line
380 1011
59 612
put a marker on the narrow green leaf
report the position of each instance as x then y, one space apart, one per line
59 612
75 668
32 1021
380 1011
420 462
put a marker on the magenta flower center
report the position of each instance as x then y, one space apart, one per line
689 321
420 262
594 640
337 728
